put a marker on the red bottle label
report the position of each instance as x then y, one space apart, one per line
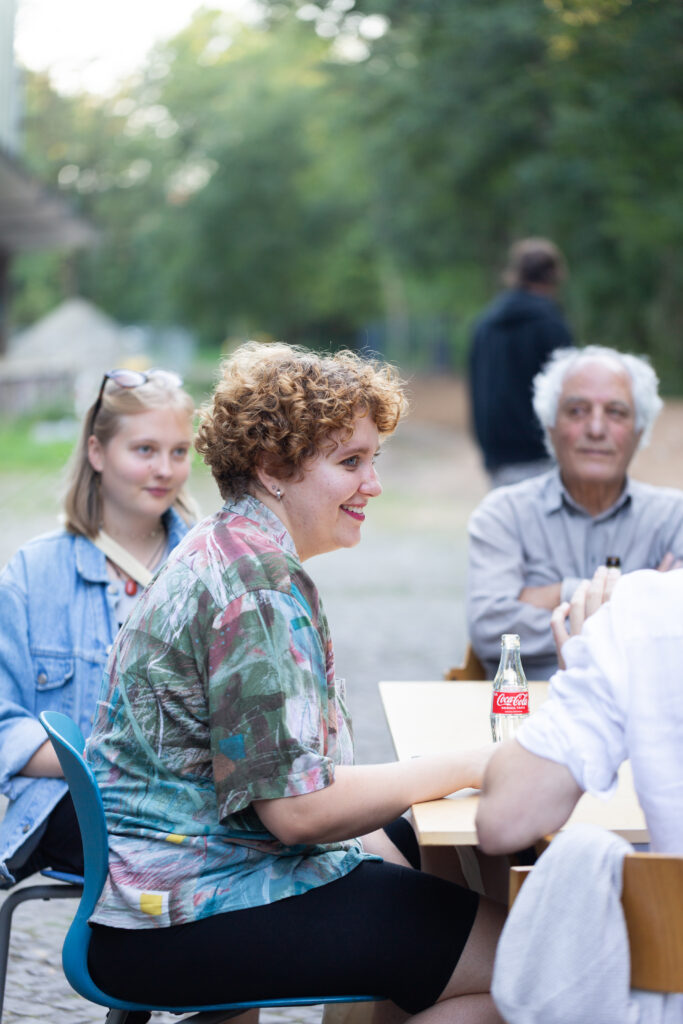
510 702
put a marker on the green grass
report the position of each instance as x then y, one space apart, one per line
20 451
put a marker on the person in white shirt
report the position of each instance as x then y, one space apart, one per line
618 697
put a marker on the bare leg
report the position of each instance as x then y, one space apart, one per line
478 1009
383 1012
387 1012
445 862
248 1017
466 998
379 843
441 861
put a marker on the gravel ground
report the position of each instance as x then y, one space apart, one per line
395 605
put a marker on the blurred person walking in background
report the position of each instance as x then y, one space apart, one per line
511 342
62 598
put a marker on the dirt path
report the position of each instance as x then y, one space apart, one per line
443 401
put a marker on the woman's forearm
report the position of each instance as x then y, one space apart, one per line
363 798
43 764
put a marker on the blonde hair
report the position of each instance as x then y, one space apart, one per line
82 498
278 405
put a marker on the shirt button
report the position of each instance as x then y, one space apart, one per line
42 678
108 648
26 828
112 589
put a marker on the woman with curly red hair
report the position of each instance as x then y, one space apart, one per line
247 852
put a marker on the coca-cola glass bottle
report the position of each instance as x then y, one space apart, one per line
510 703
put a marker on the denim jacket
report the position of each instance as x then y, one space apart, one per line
57 624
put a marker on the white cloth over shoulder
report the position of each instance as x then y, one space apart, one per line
563 956
620 697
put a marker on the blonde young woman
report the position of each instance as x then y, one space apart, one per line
64 595
248 853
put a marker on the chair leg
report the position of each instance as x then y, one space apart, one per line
31 892
127 1017
212 1016
5 926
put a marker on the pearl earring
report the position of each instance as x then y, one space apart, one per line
278 494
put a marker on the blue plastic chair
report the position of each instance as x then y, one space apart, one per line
69 745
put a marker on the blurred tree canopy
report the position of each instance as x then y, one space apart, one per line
354 173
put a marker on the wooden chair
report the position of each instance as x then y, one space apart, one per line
471 668
653 906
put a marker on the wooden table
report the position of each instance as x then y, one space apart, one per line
431 718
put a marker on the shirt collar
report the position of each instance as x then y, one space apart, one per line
266 520
556 497
91 563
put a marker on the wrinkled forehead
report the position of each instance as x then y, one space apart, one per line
601 380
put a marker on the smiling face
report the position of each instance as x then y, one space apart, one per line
595 435
144 465
325 509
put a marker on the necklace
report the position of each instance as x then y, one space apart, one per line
130 585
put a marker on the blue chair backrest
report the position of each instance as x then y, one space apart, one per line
69 744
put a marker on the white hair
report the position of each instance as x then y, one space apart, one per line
548 384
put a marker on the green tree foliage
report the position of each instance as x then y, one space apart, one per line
313 175
111 159
272 240
493 119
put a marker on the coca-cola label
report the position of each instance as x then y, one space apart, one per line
510 702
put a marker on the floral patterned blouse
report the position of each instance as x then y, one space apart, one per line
219 691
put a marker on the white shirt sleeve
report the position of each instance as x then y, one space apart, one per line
582 723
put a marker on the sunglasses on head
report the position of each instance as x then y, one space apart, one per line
132 379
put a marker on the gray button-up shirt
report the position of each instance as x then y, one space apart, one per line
532 534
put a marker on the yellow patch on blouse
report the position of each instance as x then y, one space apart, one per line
152 903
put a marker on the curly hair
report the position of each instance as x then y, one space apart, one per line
277 406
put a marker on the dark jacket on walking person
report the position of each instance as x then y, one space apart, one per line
512 341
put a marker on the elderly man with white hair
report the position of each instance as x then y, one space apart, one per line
533 542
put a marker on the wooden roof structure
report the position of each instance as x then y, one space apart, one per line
34 217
